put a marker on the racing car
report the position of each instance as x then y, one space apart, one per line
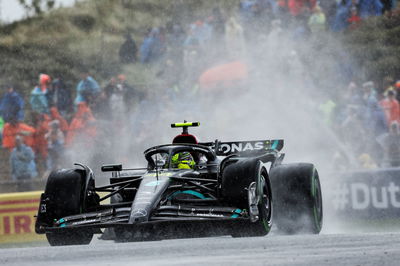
221 188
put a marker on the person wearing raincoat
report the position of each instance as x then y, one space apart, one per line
39 95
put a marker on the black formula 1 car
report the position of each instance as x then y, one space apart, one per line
231 188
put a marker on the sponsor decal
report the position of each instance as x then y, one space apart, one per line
241 147
153 183
17 221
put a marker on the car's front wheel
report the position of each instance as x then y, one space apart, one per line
247 182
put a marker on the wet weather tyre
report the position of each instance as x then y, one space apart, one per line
64 191
296 190
236 180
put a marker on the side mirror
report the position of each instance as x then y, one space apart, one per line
111 168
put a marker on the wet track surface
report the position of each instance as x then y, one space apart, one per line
358 249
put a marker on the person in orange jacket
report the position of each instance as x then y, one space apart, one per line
55 115
82 127
13 129
41 129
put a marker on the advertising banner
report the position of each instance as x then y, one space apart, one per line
367 195
17 221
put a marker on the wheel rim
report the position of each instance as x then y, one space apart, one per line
265 202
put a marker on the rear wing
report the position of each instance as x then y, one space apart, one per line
253 147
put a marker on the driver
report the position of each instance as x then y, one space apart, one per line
183 160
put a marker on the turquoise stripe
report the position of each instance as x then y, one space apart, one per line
190 192
275 144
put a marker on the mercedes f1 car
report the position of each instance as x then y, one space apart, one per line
227 188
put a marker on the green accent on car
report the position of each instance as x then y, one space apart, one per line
266 225
159 174
190 192
313 183
316 219
275 144
239 211
313 193
235 216
188 124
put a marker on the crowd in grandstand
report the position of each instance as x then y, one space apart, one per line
366 118
55 124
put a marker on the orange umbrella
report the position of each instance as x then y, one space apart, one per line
223 76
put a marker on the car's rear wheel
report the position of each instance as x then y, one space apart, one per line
297 198
237 179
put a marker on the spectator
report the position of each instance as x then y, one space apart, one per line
327 110
11 106
369 8
146 47
1 128
82 129
317 21
39 96
55 115
217 22
397 90
102 109
366 161
117 103
390 143
202 31
354 20
329 8
128 50
12 130
387 85
375 120
234 39
175 39
298 7
62 97
87 89
22 161
391 107
130 93
153 46
55 145
387 5
369 92
340 20
41 122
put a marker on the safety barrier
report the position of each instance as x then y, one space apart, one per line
17 221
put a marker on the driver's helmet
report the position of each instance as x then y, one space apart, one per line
183 160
